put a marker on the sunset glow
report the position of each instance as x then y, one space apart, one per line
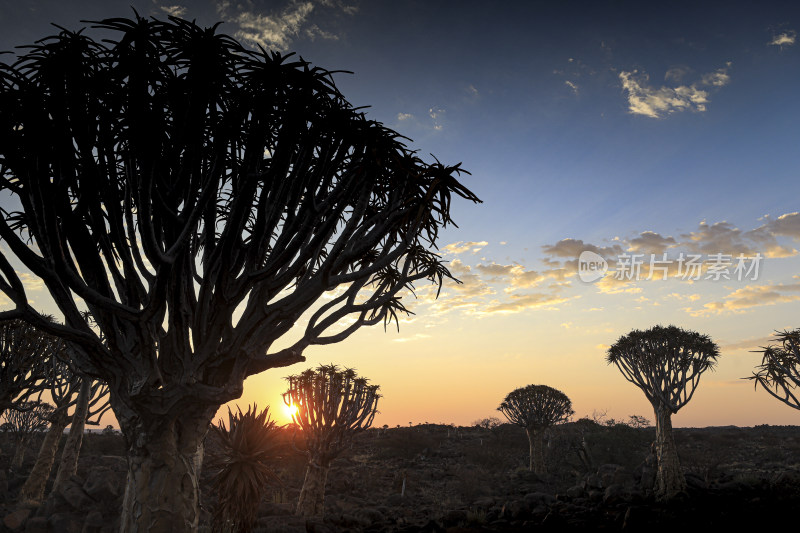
635 170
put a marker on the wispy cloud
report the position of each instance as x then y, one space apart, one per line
174 11
656 102
404 116
278 29
748 297
461 247
786 38
572 85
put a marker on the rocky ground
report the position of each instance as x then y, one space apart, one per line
441 478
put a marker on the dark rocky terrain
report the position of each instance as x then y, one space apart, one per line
441 478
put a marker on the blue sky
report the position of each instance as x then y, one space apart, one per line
612 126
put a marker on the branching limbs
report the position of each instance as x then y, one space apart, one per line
779 371
664 362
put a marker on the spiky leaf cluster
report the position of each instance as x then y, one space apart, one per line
665 362
242 468
332 405
779 371
536 407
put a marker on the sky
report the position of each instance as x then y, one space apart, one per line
623 130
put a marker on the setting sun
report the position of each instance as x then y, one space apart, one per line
289 410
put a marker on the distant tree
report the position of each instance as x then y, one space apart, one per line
332 406
666 364
23 423
199 199
487 423
63 386
91 404
779 371
638 421
241 469
24 352
536 408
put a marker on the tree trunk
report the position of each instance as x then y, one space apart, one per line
669 479
33 489
536 444
19 452
312 495
162 494
68 465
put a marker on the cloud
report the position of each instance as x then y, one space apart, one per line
747 344
404 116
572 85
460 247
277 30
655 102
174 11
650 242
786 38
415 337
436 114
522 302
748 297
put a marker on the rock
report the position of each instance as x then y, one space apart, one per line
693 481
65 523
647 479
74 495
515 509
94 522
15 520
454 517
575 491
614 494
102 484
369 516
483 503
593 481
37 524
3 485
595 495
535 498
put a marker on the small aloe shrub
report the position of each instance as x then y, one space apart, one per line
241 469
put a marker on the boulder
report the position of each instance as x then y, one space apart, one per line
37 524
16 519
102 484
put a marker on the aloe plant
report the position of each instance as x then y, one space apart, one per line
242 468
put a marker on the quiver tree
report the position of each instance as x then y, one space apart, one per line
90 406
24 353
198 199
242 469
23 423
666 364
63 387
536 408
332 405
779 371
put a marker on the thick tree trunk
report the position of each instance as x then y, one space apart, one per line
162 494
68 465
536 444
33 489
669 479
312 495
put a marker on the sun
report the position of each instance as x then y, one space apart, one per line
289 410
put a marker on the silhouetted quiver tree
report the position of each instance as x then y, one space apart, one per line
779 371
332 406
666 364
63 386
91 404
23 423
24 353
172 181
536 408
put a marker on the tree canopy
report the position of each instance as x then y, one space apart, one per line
198 198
